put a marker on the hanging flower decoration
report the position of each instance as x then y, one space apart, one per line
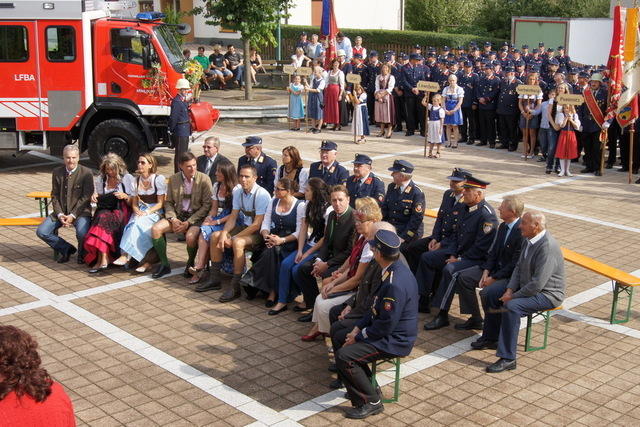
193 73
156 80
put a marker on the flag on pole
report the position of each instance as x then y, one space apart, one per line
630 83
615 61
329 29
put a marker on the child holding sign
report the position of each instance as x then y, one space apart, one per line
296 105
435 126
567 122
360 124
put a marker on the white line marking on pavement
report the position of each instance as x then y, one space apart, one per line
500 196
210 385
586 219
600 323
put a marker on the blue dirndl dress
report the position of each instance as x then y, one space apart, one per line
450 101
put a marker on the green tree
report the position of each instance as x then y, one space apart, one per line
440 15
256 20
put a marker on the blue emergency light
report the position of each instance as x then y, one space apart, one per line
150 16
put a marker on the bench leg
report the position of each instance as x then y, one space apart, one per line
620 290
396 389
546 315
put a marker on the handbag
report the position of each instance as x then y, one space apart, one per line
107 201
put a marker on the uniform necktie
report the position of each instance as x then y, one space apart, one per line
357 189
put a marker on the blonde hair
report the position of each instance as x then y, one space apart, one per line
368 209
114 162
436 97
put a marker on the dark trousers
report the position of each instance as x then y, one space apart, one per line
415 112
430 265
510 322
48 232
592 150
487 122
469 128
613 134
491 304
339 331
508 124
414 250
353 369
181 145
400 110
371 105
308 283
466 284
447 288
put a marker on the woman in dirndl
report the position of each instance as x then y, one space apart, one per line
315 102
385 110
530 107
360 123
453 96
333 93
113 190
149 193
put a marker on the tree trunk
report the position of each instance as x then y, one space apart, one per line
248 92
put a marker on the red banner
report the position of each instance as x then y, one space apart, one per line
615 61
329 31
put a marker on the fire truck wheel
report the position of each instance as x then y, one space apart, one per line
116 136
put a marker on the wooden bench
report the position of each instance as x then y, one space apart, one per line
43 201
623 282
20 221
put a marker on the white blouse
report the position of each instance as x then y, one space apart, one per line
390 85
128 182
560 119
339 78
156 180
367 254
297 61
303 178
266 222
457 93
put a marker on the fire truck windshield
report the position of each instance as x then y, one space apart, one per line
170 46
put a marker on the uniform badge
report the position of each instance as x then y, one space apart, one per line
388 306
487 227
384 276
381 198
410 233
260 159
332 169
418 208
408 189
473 208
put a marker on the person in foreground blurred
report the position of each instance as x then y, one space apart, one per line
28 395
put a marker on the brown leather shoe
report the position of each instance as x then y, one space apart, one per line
231 292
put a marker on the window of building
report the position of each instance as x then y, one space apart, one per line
13 43
61 44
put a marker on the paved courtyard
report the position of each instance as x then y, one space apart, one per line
131 350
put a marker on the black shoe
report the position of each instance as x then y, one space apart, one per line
232 292
364 411
96 270
638 181
251 292
407 133
440 321
502 147
511 149
64 256
333 368
269 303
132 264
481 144
586 170
548 171
597 173
609 166
299 309
492 145
160 271
80 260
273 312
501 365
470 324
335 384
305 318
470 142
397 129
482 343
186 273
209 285
424 305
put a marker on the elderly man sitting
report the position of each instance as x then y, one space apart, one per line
537 283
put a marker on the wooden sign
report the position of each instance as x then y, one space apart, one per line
289 69
304 71
354 78
566 99
528 90
428 86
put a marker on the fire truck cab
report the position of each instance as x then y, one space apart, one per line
85 71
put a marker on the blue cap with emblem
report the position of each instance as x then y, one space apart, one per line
541 44
459 174
468 64
386 242
553 61
473 182
401 166
373 53
357 55
328 145
415 56
509 69
525 46
583 74
487 44
403 55
362 159
573 71
251 141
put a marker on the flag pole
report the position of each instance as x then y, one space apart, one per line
632 131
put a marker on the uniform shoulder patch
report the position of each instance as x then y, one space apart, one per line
473 208
388 306
487 227
418 208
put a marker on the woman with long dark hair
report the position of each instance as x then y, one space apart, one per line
316 212
226 181
28 395
114 188
293 169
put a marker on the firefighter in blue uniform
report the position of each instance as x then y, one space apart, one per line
487 95
411 74
328 169
398 99
468 80
564 60
179 123
508 111
404 203
388 329
373 69
265 165
363 182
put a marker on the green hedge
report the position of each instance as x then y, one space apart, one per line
380 40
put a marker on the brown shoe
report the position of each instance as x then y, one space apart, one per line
231 292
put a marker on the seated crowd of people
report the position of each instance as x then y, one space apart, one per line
477 101
347 253
222 68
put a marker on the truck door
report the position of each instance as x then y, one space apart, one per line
21 106
62 74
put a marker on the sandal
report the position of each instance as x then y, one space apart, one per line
437 155
430 156
197 275
380 134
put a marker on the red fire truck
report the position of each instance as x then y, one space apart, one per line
79 70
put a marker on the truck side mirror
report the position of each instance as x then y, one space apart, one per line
183 29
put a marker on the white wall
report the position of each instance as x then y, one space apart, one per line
202 30
374 14
300 13
590 40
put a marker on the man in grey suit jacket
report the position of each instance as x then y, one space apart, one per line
537 283
209 161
